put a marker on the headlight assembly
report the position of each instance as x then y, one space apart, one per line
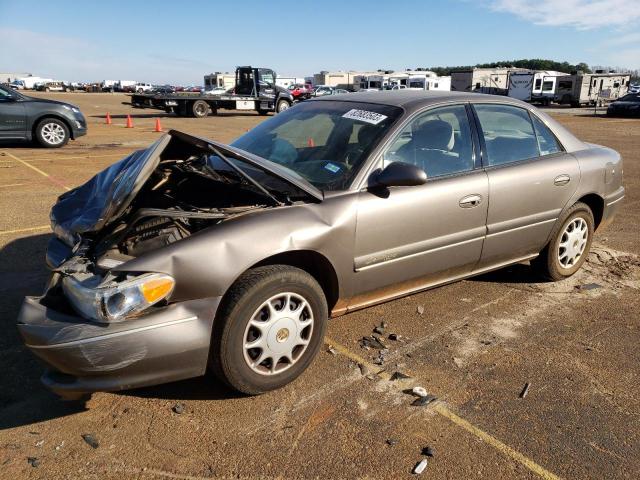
116 301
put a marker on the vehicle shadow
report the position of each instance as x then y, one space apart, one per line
518 273
19 144
206 387
23 399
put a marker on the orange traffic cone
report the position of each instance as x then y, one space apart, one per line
129 122
108 119
158 126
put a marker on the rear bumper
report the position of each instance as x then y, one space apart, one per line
611 205
169 344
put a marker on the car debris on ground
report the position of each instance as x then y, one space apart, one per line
420 309
90 440
332 350
179 408
420 466
525 390
424 401
419 391
588 286
399 376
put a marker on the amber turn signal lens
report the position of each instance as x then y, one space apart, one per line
156 289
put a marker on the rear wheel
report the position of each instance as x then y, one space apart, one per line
200 109
52 133
569 246
270 327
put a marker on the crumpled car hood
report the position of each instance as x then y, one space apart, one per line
104 198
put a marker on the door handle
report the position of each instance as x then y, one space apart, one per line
561 180
470 201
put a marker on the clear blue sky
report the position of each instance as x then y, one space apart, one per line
178 42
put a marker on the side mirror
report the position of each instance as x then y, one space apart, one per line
400 174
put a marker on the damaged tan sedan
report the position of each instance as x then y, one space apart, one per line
192 255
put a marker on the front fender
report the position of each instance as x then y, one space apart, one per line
207 263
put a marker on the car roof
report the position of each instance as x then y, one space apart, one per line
411 99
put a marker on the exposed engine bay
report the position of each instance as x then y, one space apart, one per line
161 195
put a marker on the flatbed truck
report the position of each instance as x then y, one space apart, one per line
254 89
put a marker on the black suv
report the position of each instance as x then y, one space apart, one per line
49 122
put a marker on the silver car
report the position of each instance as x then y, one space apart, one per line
194 255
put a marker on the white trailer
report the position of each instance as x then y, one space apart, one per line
29 83
121 84
534 86
286 82
591 88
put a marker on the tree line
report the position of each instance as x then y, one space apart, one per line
532 64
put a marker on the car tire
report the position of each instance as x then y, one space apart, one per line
569 245
52 133
245 306
200 109
282 105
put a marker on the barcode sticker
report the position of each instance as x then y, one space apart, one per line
365 116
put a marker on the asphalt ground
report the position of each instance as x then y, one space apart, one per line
474 345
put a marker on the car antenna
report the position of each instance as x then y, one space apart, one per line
244 175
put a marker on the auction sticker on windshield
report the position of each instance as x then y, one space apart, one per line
365 116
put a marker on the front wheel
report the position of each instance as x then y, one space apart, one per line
52 133
282 105
569 246
270 327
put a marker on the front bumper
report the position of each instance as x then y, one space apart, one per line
78 126
168 344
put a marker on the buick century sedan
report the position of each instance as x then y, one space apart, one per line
192 255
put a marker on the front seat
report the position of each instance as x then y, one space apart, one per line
430 148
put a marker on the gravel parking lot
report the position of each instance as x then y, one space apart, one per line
473 344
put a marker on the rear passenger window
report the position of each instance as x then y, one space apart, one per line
547 142
508 133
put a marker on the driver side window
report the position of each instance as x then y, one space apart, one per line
438 141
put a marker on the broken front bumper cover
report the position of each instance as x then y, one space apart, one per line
167 344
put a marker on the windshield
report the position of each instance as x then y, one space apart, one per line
324 142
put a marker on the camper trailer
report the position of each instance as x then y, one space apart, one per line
598 88
219 79
534 86
483 80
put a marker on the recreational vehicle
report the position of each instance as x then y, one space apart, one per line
482 80
534 86
580 89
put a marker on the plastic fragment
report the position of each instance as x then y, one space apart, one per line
90 440
420 466
178 408
419 391
525 390
420 309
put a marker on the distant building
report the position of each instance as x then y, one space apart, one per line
11 76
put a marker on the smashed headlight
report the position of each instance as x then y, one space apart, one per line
115 302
